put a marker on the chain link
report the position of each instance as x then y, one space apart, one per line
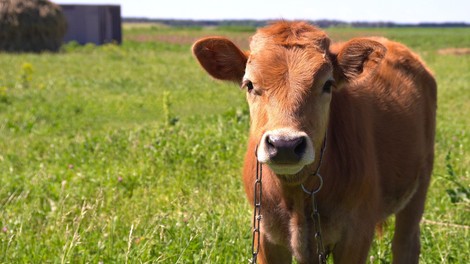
258 190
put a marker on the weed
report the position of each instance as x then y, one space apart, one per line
459 192
70 46
169 119
3 94
26 75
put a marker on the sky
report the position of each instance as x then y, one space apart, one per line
400 11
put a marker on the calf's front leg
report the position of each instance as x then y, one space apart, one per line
354 247
270 253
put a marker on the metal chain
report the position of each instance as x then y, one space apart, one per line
258 190
322 255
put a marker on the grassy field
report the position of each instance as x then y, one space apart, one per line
128 154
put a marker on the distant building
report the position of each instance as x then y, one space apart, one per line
98 24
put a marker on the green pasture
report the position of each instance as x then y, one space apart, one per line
130 154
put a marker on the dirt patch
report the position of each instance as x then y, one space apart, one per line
454 51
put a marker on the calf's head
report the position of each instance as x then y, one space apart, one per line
289 76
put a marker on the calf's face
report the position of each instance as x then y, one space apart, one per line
289 76
289 91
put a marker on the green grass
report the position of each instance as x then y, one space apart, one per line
132 154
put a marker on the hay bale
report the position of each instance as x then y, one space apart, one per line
31 25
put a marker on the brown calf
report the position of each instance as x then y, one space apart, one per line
376 102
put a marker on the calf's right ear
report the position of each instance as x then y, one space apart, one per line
221 58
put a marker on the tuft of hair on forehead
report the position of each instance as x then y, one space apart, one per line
292 34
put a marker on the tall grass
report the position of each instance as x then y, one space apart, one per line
132 154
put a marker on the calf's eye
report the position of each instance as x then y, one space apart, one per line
328 85
248 84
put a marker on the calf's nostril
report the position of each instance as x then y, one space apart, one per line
270 144
269 141
301 146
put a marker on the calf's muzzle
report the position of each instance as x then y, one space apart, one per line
286 150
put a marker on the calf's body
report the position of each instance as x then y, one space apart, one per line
378 121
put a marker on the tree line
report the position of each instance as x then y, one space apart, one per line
251 23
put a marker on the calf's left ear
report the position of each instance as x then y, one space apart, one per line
357 60
221 58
